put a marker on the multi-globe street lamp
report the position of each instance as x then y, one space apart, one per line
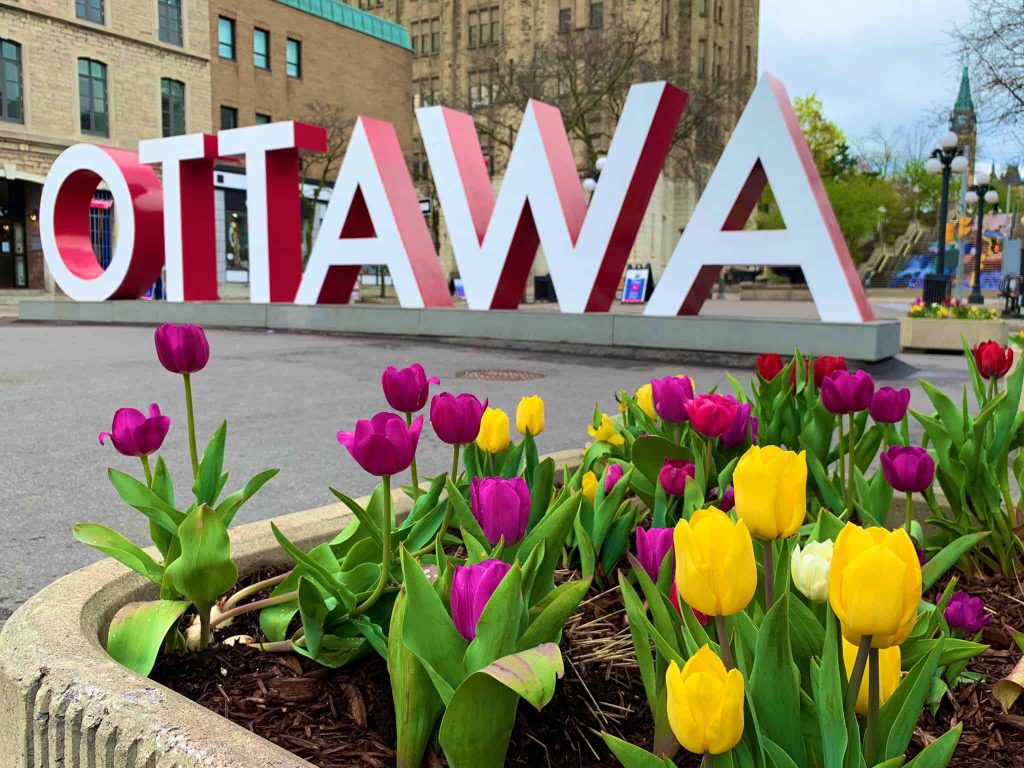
980 192
946 159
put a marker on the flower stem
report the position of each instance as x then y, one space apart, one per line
840 468
708 454
450 505
187 378
204 625
769 575
851 456
871 731
252 589
857 675
385 559
147 470
723 641
707 761
412 467
910 512
254 606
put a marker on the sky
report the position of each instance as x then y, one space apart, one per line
872 62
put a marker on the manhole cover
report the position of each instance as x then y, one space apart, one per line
498 374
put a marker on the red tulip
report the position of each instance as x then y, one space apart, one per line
993 361
769 366
825 365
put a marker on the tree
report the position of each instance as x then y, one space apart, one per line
318 170
826 141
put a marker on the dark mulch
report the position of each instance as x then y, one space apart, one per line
991 738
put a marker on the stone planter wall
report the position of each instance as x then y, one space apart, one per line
944 335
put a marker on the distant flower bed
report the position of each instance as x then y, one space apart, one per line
953 309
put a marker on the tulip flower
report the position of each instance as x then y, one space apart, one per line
606 433
674 475
383 445
472 587
588 484
769 366
673 596
502 507
705 703
494 434
711 415
844 392
874 584
612 475
825 365
966 613
406 389
993 361
645 399
908 468
530 416
771 491
742 429
888 678
670 395
727 501
652 545
889 406
182 349
135 434
809 568
715 568
456 418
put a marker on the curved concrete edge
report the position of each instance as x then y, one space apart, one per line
64 703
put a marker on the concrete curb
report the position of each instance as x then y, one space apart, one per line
64 703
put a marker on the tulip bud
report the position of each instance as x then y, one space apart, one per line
874 584
888 674
502 507
406 389
705 703
966 613
456 418
652 544
670 395
674 475
612 475
844 392
715 568
530 416
825 365
889 406
383 445
606 433
182 348
588 483
494 431
742 429
645 399
711 415
769 366
771 491
135 434
472 587
908 468
993 361
809 568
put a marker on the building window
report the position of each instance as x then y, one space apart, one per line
92 97
564 19
435 35
228 118
748 60
262 119
172 106
293 58
702 58
11 101
703 7
169 14
261 48
484 27
425 91
596 15
480 88
426 36
226 37
90 10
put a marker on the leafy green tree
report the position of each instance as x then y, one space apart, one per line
827 142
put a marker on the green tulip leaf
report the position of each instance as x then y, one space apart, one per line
137 632
828 695
546 626
498 626
274 620
113 544
898 717
209 480
204 571
371 525
313 610
939 752
229 507
140 497
553 530
632 756
540 491
947 557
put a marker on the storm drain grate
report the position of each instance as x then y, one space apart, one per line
498 374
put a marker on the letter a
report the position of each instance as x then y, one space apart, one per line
767 146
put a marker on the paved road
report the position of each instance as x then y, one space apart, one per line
285 396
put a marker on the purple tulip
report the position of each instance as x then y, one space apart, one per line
456 418
652 545
135 434
472 587
383 445
612 475
844 392
743 427
674 474
889 406
502 507
406 389
671 395
967 613
728 500
908 468
182 348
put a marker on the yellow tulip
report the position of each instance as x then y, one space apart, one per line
494 432
589 486
771 491
715 568
530 415
874 584
645 399
705 703
606 433
888 674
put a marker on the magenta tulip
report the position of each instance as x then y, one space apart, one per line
612 475
182 348
889 406
845 392
383 445
652 545
406 389
727 502
671 395
502 507
674 474
742 429
472 587
135 434
711 415
456 418
908 468
966 613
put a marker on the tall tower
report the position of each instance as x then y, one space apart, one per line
963 122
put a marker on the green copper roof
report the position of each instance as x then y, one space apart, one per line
964 102
353 18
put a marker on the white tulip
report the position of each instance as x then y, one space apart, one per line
809 568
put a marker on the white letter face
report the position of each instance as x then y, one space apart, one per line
767 147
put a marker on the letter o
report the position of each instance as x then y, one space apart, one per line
64 209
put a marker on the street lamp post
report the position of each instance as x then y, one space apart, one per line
980 192
945 159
